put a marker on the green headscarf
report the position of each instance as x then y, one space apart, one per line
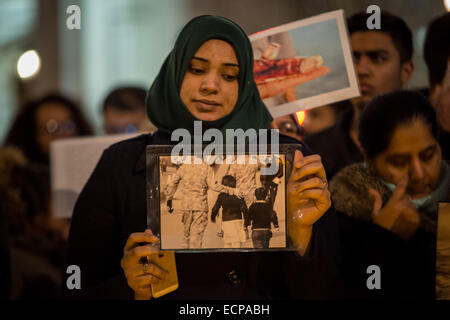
164 106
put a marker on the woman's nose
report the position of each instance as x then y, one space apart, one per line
416 170
210 83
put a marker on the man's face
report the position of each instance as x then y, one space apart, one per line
377 64
440 98
117 121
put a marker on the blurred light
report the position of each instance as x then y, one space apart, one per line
447 5
28 64
300 117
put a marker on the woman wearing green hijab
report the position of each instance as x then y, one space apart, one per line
208 76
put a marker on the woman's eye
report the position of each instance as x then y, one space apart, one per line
195 70
229 77
427 156
399 163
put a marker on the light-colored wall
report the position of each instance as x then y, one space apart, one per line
126 41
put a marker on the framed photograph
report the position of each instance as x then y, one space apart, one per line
443 252
304 64
231 204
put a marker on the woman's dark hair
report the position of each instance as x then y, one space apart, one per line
436 49
126 99
385 113
393 26
22 133
229 181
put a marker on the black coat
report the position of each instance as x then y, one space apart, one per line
234 208
112 205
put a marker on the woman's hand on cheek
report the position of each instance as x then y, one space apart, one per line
139 273
308 198
398 215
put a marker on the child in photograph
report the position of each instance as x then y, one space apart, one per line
271 182
260 215
232 214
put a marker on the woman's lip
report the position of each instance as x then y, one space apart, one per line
419 193
208 102
206 105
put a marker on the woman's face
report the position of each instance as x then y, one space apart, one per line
53 121
412 152
210 87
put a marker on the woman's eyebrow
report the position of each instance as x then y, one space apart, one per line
226 64
430 148
231 65
201 59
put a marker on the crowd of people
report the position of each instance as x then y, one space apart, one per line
364 190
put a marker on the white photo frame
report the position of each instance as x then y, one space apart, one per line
326 36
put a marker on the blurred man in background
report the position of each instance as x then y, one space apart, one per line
437 58
383 62
124 111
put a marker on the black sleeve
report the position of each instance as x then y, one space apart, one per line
250 215
94 244
244 210
274 219
317 274
5 272
216 208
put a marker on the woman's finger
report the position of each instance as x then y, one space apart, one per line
311 169
377 201
151 269
306 160
136 238
300 160
143 251
400 190
312 183
315 194
144 281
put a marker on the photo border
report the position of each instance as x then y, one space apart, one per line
153 154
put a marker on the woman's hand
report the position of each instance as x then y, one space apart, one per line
398 215
140 276
308 198
274 88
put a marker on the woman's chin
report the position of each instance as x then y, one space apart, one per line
208 116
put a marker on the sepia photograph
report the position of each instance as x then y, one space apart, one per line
220 206
443 252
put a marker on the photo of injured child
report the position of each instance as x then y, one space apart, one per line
304 64
222 206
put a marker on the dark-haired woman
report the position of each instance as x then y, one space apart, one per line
43 120
388 204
